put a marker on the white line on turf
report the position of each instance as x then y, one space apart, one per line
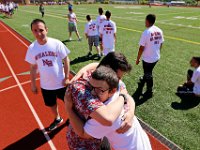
28 102
13 86
142 20
128 29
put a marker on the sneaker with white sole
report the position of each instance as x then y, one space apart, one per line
55 124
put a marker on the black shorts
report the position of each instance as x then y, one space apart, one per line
50 96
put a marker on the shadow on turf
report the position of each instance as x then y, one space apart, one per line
66 41
34 140
84 58
187 102
138 97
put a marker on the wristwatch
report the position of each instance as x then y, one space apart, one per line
124 96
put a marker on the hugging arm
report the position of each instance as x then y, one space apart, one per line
128 122
91 66
101 114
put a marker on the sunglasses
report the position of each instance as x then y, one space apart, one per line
97 89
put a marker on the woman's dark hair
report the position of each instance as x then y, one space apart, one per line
106 74
116 61
197 59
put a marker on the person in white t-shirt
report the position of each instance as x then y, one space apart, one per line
108 34
49 57
91 33
72 24
192 86
104 83
150 43
100 19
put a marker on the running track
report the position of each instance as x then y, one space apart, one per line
23 114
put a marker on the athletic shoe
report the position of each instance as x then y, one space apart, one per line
55 124
70 39
80 39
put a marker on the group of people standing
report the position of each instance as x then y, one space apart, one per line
96 94
8 8
102 32
96 100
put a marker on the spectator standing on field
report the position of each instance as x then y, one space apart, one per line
70 6
108 34
49 57
41 9
151 43
100 19
72 24
91 33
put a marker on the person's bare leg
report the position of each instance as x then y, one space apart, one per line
77 34
101 49
98 50
70 36
55 112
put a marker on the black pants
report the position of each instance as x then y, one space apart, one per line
186 88
148 74
42 14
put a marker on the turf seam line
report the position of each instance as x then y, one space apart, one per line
168 143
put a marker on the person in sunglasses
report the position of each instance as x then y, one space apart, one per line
87 105
103 84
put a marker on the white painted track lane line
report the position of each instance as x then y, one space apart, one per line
29 103
13 86
13 34
52 146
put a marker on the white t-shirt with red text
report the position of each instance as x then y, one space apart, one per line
107 30
196 80
91 28
48 58
151 39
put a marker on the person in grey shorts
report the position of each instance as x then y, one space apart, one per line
91 33
72 25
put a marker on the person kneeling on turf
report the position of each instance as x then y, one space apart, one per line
192 86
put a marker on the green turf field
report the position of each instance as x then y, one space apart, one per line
181 27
